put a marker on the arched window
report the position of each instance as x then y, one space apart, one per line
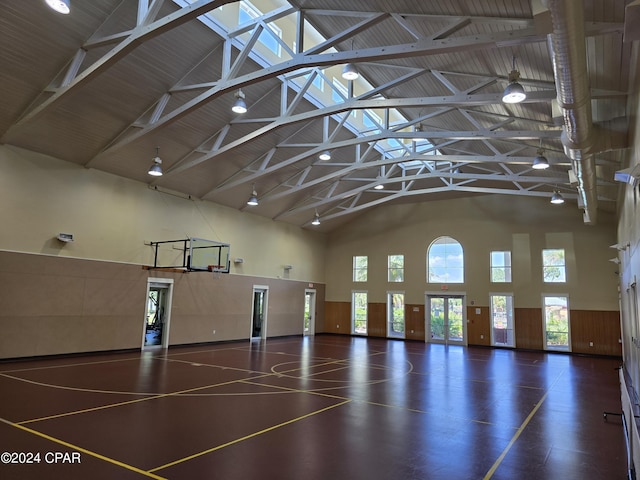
445 261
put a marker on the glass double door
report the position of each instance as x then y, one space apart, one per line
446 319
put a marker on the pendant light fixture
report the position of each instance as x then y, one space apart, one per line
349 71
240 106
379 179
540 162
514 93
326 155
316 219
155 170
60 6
417 133
556 198
253 199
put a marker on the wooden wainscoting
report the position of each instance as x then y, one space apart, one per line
528 326
587 326
414 322
337 317
377 320
602 328
478 326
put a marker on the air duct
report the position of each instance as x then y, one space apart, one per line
568 54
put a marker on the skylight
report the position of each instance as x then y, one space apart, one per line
277 43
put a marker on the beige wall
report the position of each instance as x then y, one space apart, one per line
55 305
481 224
90 294
111 218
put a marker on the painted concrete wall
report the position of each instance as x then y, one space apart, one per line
481 224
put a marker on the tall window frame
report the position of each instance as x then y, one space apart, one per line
359 312
395 268
501 313
396 315
360 268
500 266
554 265
445 261
556 322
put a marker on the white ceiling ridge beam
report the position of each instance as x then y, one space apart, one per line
494 115
515 22
372 19
364 206
347 196
428 116
354 141
181 86
497 177
195 86
138 36
202 149
264 19
106 40
356 104
482 134
415 73
253 173
145 15
300 94
454 26
148 13
74 68
243 55
336 13
341 174
380 53
402 21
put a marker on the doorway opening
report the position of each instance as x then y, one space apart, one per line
157 313
309 326
259 312
446 319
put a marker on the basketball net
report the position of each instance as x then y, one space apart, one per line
215 269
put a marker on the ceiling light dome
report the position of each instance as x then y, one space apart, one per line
155 170
316 219
540 162
60 6
240 106
514 93
253 199
556 198
350 72
326 155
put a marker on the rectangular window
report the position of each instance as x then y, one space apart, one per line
501 267
553 265
360 268
395 314
248 13
502 320
557 334
395 266
359 307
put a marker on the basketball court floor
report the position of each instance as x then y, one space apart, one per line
313 408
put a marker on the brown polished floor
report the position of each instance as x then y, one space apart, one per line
318 408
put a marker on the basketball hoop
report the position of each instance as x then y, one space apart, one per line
215 269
